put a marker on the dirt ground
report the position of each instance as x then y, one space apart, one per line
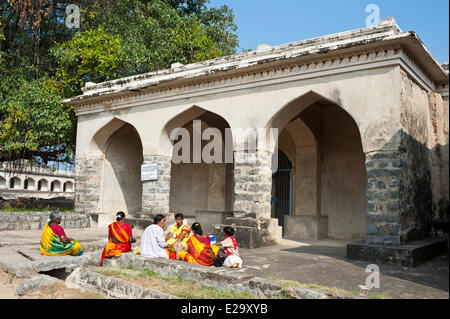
8 284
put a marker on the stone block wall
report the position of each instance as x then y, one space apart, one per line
156 194
253 183
88 183
384 202
37 220
405 188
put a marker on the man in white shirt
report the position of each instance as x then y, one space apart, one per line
153 243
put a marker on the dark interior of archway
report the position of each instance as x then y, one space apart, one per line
202 186
341 177
122 186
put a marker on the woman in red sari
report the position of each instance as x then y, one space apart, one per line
200 251
120 238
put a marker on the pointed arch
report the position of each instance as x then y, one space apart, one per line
42 185
329 174
99 140
29 183
68 186
200 184
15 182
119 145
187 116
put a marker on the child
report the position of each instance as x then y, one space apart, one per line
228 248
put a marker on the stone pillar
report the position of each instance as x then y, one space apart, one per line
156 194
253 183
88 183
384 199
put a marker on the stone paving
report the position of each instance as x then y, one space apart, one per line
321 263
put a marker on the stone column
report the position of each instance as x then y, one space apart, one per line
384 196
156 194
253 183
88 183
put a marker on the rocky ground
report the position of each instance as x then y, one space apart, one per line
320 264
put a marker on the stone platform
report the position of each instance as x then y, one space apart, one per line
410 255
322 263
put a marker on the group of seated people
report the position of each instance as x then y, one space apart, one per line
185 243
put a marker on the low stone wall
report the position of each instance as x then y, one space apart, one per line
221 278
57 202
37 220
112 287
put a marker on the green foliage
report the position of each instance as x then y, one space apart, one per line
42 61
34 122
91 55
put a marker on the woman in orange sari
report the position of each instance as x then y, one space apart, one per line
200 251
120 238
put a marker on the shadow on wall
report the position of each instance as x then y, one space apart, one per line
400 201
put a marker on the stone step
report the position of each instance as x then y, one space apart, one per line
246 221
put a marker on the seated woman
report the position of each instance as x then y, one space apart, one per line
120 238
153 243
180 230
200 251
54 241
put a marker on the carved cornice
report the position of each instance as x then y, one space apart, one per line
257 76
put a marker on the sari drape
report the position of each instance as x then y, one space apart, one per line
51 245
178 230
200 251
113 249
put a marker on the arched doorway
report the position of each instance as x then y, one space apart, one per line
324 145
14 183
122 186
196 184
55 186
282 189
42 185
28 184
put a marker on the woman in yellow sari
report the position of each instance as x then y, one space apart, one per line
54 241
120 238
200 251
180 230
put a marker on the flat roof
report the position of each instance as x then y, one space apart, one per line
388 32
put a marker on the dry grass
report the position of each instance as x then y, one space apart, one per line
175 286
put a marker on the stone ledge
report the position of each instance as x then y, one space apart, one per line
411 254
222 278
37 220
111 287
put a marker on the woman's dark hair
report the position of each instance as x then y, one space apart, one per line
197 228
120 215
180 215
158 218
229 231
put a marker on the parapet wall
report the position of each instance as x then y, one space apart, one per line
37 220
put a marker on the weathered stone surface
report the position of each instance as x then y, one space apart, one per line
304 293
31 285
253 183
383 79
410 254
37 220
156 194
112 287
